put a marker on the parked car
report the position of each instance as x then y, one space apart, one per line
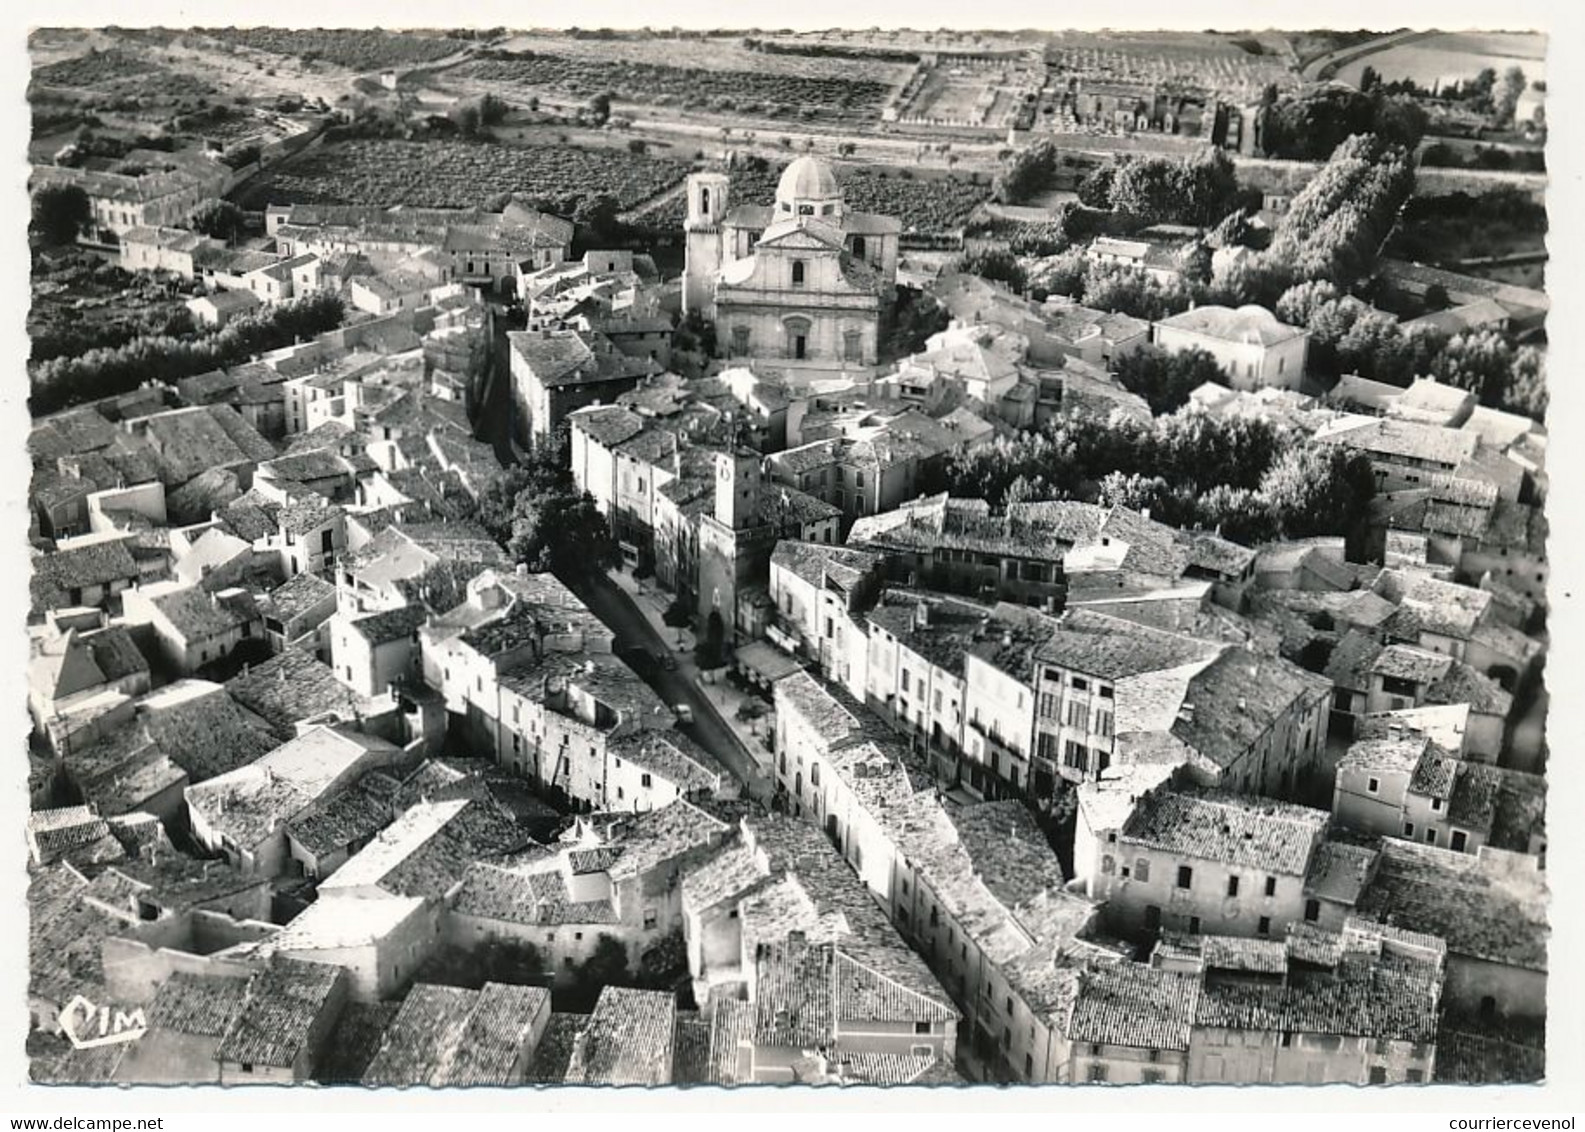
684 713
666 660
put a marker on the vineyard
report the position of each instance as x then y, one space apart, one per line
355 49
454 174
929 206
750 92
94 69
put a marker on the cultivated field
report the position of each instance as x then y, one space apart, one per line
454 174
772 94
936 205
356 50
714 53
1447 59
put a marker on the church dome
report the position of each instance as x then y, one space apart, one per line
806 179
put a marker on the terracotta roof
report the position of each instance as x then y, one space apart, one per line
285 1001
629 1040
1252 833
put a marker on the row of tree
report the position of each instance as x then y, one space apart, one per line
62 382
1334 228
1309 123
1141 191
1252 480
1348 335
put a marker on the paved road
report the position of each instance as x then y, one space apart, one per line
675 686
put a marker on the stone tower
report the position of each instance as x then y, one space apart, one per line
734 547
707 206
737 488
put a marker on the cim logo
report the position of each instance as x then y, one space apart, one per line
87 1025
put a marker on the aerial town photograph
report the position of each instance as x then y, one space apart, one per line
862 557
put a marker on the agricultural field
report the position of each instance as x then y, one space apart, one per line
455 174
1445 59
355 49
1445 230
924 205
95 69
709 53
83 303
770 94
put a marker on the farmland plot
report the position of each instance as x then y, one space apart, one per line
924 205
451 174
745 91
355 49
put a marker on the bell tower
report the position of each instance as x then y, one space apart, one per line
737 488
707 207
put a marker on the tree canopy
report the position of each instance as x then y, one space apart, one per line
60 212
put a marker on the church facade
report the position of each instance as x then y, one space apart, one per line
804 280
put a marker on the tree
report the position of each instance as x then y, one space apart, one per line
1061 274
1165 380
1095 189
599 218
1509 91
218 218
1194 261
1147 191
563 532
1027 173
1299 303
600 108
1317 489
60 213
243 156
995 265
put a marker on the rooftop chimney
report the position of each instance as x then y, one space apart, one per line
922 615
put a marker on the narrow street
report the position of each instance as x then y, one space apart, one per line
674 686
493 422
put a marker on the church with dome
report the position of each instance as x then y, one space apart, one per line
804 280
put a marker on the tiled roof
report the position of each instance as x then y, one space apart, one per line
1129 1004
291 686
199 1005
1254 833
494 1039
731 1024
1394 755
354 1042
1339 871
431 1020
628 1041
285 1001
1111 648
428 850
197 615
298 596
554 1052
1376 1001
1482 909
339 823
